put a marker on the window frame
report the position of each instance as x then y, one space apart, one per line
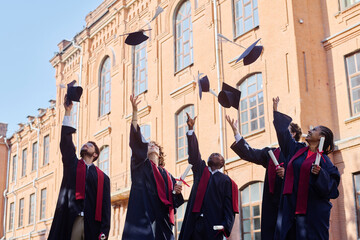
46 149
190 41
257 106
185 128
35 156
14 168
137 80
24 156
43 204
21 212
234 4
357 201
11 216
101 162
251 204
102 85
348 81
32 205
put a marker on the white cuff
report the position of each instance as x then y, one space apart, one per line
190 132
238 137
67 121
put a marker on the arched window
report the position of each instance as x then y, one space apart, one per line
105 87
104 159
246 15
252 104
250 214
140 68
182 128
183 36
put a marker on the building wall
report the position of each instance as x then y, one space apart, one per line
3 169
305 44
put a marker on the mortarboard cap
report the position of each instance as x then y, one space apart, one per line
251 53
135 38
229 96
204 85
73 93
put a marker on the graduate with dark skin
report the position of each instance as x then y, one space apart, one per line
210 211
304 213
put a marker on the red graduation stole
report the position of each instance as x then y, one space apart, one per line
160 186
271 170
80 187
200 193
303 187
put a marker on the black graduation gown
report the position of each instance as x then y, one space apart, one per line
314 225
270 201
217 208
147 217
67 207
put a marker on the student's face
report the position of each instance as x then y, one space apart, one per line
313 135
88 149
153 148
216 161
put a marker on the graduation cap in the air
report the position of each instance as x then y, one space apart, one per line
250 54
73 93
137 37
204 85
229 96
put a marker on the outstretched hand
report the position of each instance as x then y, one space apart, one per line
134 102
190 121
233 124
67 107
276 103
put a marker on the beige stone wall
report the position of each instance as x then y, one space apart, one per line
303 62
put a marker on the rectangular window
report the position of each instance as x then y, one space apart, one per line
24 158
32 208
14 166
34 161
21 212
348 3
104 160
246 15
180 213
11 216
43 204
182 128
357 199
251 111
140 68
353 75
46 149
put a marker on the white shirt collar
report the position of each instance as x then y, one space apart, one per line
213 172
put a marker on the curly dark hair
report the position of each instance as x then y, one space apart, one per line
161 154
329 139
294 128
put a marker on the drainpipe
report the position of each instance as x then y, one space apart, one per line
37 172
78 104
6 189
218 76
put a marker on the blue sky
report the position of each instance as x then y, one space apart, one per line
29 34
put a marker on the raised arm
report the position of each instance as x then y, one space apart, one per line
193 145
137 144
67 146
243 149
281 124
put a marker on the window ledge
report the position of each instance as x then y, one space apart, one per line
251 30
182 160
104 115
188 66
352 119
257 132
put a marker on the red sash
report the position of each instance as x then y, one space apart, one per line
271 170
160 186
303 187
80 187
200 193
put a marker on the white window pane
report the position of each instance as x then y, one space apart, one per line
247 226
243 104
247 10
181 153
262 122
356 94
260 97
247 236
238 9
253 113
355 81
357 108
351 65
246 212
254 125
256 210
181 142
245 198
261 109
255 4
248 24
244 128
252 101
252 89
243 89
244 117
255 194
256 18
